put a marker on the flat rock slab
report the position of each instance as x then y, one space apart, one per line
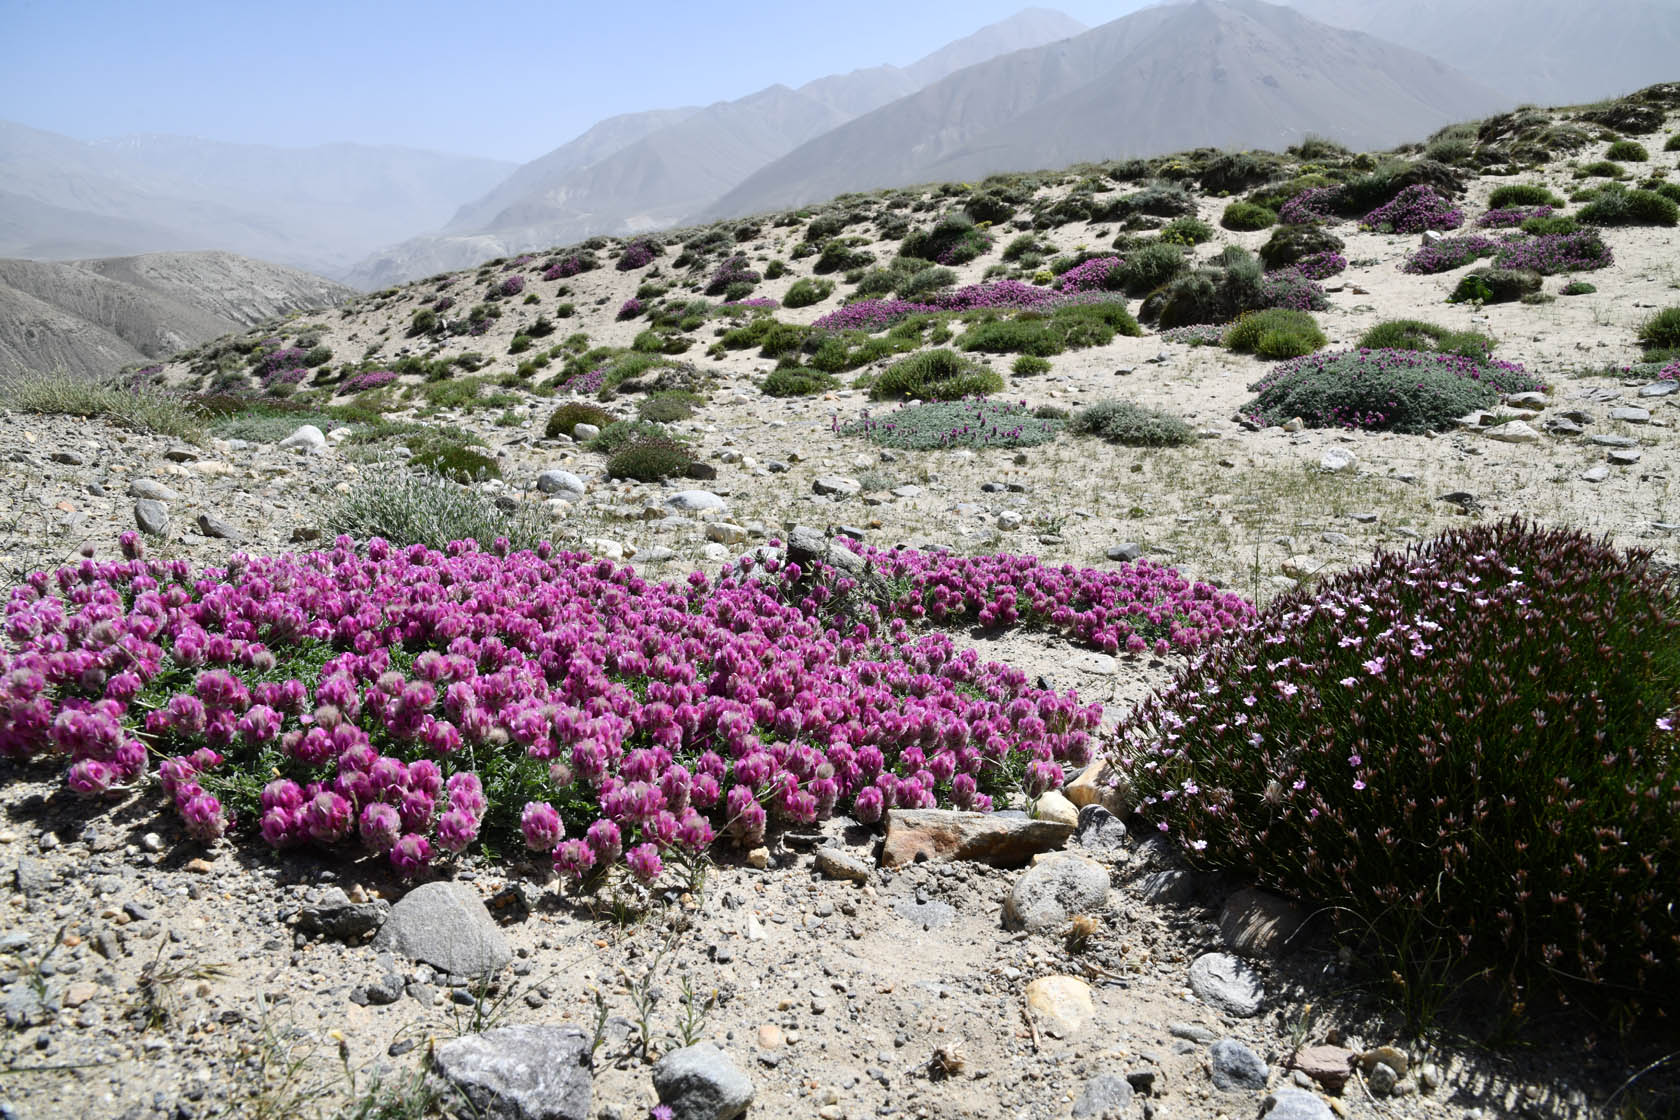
1330 1066
701 1083
1104 1097
447 926
1060 1006
946 834
521 1073
838 863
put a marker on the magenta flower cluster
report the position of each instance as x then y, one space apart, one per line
753 303
443 303
511 285
1512 216
284 377
1450 253
631 308
280 358
1321 266
876 314
1312 205
588 382
1091 275
1413 210
636 254
1551 253
567 267
373 379
448 691
1292 288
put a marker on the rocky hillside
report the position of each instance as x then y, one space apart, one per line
657 169
863 519
1210 73
94 317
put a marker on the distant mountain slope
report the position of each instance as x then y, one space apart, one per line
321 208
669 173
1220 73
93 317
1554 52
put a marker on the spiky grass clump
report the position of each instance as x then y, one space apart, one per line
1392 390
806 292
935 375
1247 216
650 458
1522 194
1275 333
408 507
141 408
797 381
1415 334
1661 331
1464 753
948 424
1615 206
1132 424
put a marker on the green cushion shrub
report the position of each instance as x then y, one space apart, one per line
1247 216
1131 424
935 375
1275 333
1389 390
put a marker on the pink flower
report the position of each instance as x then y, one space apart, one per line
541 825
643 861
410 855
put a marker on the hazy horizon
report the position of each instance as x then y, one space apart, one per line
511 86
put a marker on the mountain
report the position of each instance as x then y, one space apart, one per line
93 317
1549 51
668 173
319 208
1217 73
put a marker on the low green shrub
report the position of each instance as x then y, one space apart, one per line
1148 267
1275 333
1131 424
1415 334
1390 390
1521 194
1247 217
621 433
668 405
935 375
1555 224
842 255
1661 331
1578 288
1627 151
1186 231
1673 143
1616 206
806 292
1290 244
459 462
942 425
1603 169
1029 364
924 281
1074 327
1464 755
797 381
650 458
1495 285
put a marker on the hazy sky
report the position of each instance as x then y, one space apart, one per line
504 78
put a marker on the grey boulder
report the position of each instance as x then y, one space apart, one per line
1225 982
1048 895
701 1083
446 926
520 1073
1236 1067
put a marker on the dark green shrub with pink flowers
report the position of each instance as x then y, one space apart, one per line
1464 756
